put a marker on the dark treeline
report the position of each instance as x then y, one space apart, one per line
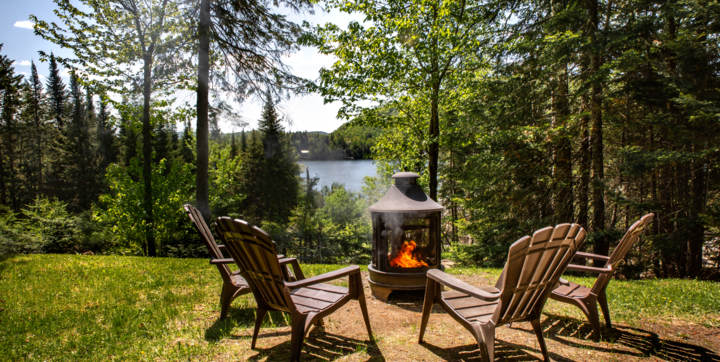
349 141
538 112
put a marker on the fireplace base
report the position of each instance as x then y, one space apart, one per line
383 283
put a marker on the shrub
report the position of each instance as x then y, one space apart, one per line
121 209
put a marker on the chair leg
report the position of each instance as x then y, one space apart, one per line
260 315
538 332
357 292
298 335
226 297
366 317
602 299
430 290
589 307
485 337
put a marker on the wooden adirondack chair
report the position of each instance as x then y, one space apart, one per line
234 285
533 268
307 300
586 298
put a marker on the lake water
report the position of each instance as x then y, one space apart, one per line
347 172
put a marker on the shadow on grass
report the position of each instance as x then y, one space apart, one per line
644 343
4 257
504 351
242 318
320 345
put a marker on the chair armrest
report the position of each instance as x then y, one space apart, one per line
562 281
222 261
280 256
294 264
353 269
457 284
591 256
589 269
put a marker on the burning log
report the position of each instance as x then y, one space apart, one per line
405 257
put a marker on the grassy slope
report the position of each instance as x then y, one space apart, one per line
113 307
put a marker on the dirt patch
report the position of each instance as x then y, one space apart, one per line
395 327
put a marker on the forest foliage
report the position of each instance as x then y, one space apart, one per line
516 114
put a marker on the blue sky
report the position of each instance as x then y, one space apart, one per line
304 113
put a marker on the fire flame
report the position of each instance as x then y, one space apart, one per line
405 258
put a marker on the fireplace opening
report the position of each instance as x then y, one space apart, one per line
406 237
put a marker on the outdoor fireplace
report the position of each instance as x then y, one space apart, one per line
406 237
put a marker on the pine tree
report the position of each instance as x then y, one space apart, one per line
35 104
56 90
271 129
161 143
105 138
90 117
270 172
128 135
233 146
243 141
9 88
79 163
187 145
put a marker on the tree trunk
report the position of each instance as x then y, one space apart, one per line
453 205
562 163
596 135
583 185
201 178
697 227
433 149
562 149
147 157
3 188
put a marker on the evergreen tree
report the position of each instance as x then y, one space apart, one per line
90 116
270 172
128 135
56 90
187 145
252 40
9 96
271 128
233 146
243 141
79 165
105 138
35 103
161 143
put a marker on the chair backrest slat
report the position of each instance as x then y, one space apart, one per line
256 254
533 268
207 237
623 247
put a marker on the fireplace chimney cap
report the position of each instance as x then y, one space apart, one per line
405 196
409 176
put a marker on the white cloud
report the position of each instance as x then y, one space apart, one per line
22 63
24 24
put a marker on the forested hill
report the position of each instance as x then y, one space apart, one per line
346 142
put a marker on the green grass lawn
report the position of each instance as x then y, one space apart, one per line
115 307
